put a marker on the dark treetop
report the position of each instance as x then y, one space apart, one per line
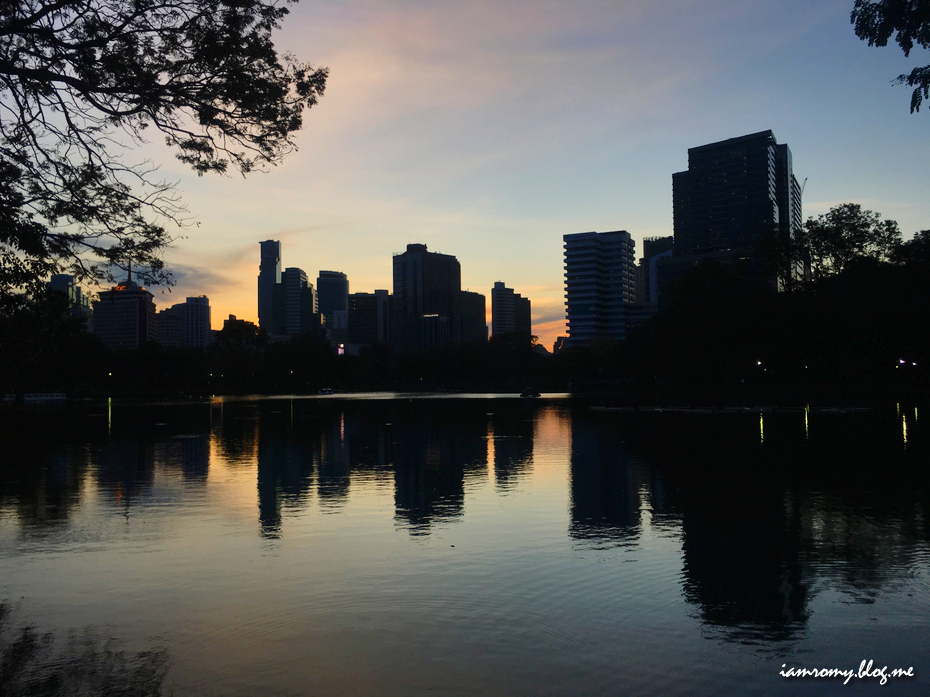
82 80
909 21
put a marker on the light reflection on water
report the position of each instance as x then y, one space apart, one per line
461 546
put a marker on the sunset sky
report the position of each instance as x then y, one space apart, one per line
488 130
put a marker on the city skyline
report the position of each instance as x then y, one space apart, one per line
491 140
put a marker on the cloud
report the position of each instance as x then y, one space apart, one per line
548 332
549 317
198 280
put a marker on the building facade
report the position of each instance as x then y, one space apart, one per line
600 282
78 302
186 324
269 276
733 193
426 285
332 291
124 317
294 304
654 248
510 312
369 317
469 318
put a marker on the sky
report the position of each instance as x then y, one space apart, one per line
488 130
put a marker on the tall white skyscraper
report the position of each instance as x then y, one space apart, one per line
600 282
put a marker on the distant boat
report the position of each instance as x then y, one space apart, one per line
325 390
529 393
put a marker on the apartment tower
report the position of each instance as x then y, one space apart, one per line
600 284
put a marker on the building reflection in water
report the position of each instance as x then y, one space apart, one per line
234 432
287 460
512 433
335 463
605 489
764 525
43 486
708 484
435 450
742 563
189 453
125 470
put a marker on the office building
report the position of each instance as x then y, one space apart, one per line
269 276
599 284
186 325
240 326
338 327
369 317
64 283
654 248
429 306
469 319
124 317
294 304
78 302
733 193
332 290
425 285
510 312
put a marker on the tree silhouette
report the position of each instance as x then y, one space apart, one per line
915 251
846 232
875 22
83 81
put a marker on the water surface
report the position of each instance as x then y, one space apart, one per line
391 545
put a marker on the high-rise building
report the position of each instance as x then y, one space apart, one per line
78 301
369 318
294 281
429 305
64 283
425 284
599 284
269 275
332 291
654 248
294 304
186 324
510 312
469 318
734 192
124 317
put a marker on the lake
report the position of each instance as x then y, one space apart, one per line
461 545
